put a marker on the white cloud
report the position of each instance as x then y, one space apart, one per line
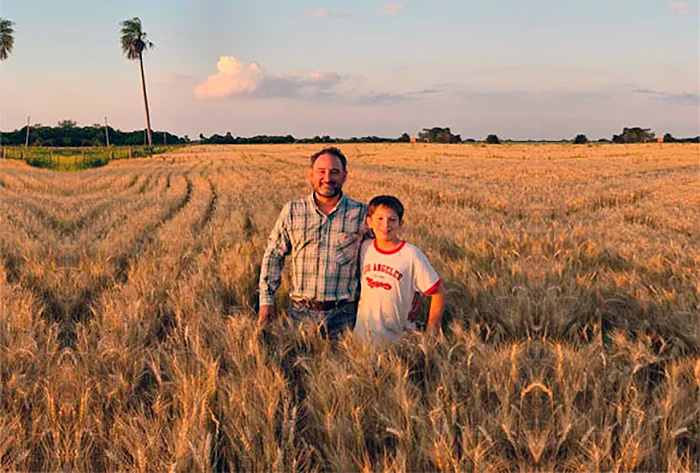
679 8
393 8
236 78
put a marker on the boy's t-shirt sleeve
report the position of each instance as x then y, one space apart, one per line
426 278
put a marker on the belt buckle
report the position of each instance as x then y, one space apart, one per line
311 304
322 305
316 305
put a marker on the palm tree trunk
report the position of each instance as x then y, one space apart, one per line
145 103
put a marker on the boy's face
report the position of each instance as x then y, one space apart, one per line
385 223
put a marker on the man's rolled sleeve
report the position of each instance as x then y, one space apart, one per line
279 245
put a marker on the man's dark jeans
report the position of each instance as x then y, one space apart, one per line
332 322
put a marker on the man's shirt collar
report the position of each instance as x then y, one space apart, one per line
342 202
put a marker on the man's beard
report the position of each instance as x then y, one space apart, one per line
331 192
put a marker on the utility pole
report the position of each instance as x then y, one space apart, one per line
106 132
26 140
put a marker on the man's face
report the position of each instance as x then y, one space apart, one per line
327 176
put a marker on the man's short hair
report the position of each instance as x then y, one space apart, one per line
388 201
333 151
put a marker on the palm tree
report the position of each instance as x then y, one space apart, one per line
6 38
134 43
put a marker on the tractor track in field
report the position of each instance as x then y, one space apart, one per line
209 211
119 273
21 177
459 200
12 264
660 172
146 236
128 213
87 187
652 223
608 201
42 215
69 311
65 228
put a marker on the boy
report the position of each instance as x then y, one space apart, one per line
391 271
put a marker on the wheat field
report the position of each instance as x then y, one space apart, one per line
571 338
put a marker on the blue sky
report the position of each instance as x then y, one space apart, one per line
546 69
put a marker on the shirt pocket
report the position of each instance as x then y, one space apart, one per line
346 247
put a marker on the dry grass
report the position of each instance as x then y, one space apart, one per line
571 338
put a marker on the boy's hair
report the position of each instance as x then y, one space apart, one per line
333 151
388 201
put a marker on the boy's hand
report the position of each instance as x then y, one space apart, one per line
415 305
437 307
432 330
265 315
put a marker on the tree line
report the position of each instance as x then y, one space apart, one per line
68 134
437 135
229 139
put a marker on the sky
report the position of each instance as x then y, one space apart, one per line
537 69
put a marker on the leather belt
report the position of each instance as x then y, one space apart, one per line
321 305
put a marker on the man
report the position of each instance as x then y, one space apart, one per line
322 232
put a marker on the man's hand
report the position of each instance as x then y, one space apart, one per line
266 314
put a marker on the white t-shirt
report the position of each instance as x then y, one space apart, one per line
389 280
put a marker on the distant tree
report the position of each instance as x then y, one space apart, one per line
134 42
404 138
7 39
580 140
668 138
493 140
438 135
634 135
67 124
68 133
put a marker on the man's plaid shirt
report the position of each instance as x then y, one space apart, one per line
324 251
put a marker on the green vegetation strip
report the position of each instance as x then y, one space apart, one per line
76 159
